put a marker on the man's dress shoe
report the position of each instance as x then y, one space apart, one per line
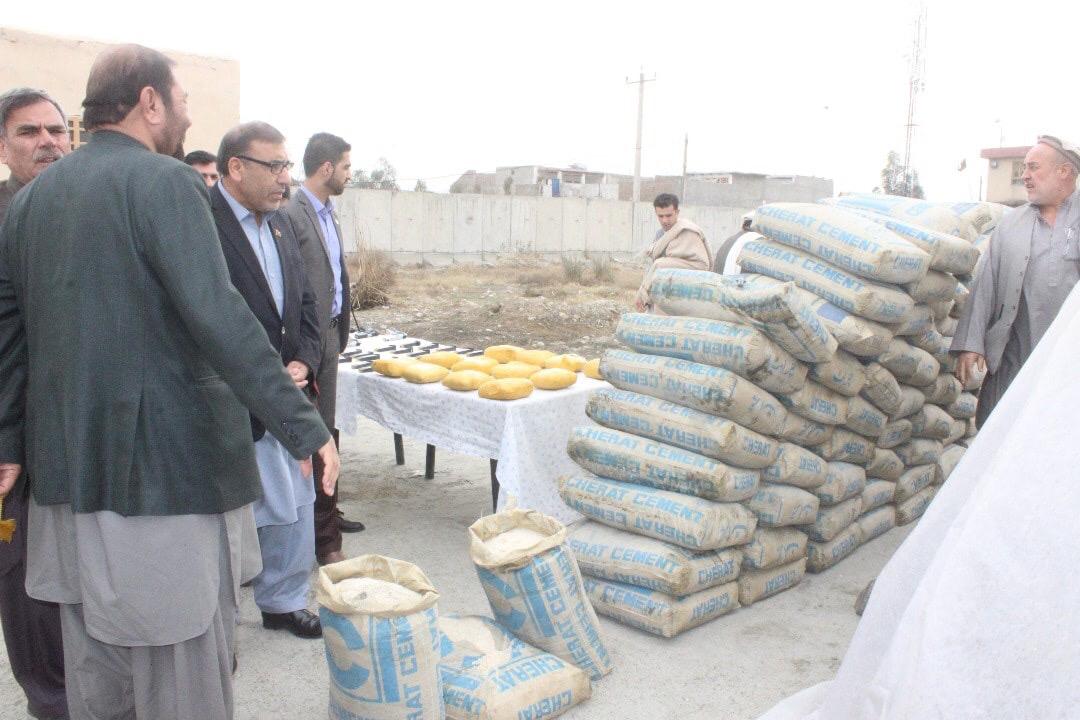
301 623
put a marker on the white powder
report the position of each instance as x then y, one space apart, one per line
371 595
513 541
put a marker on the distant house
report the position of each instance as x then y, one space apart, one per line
728 189
1004 172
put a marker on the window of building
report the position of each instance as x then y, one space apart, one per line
76 131
1017 172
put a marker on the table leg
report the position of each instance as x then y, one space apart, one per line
399 449
494 486
429 463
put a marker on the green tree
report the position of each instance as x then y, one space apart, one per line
897 180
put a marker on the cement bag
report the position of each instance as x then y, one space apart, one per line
772 547
881 388
622 456
738 348
933 287
381 631
846 446
845 239
910 364
963 407
876 494
804 432
657 613
757 585
816 402
947 327
783 506
932 342
624 557
912 509
984 216
957 431
914 480
702 387
845 481
685 520
963 295
972 431
855 334
684 427
911 402
875 523
919 212
796 466
534 587
943 391
822 556
883 303
895 433
832 520
940 311
931 422
948 253
780 310
920 451
950 458
843 374
865 419
918 321
886 465
488 674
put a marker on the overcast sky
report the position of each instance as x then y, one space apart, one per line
775 87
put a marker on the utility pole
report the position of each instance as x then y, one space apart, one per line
915 86
640 82
685 148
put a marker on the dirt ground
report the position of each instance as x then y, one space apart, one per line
564 307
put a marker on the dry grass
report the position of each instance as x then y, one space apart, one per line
573 270
373 274
603 271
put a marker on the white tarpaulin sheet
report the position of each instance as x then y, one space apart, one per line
528 436
975 615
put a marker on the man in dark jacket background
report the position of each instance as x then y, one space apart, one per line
265 267
33 135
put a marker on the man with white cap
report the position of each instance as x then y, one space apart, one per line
1030 265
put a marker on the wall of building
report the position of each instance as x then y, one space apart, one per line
747 190
1000 187
439 229
61 66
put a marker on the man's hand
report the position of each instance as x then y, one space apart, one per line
9 473
639 305
966 364
299 372
331 466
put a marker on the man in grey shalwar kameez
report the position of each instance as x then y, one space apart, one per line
1030 266
127 359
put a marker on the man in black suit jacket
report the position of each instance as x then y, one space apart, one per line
265 267
310 213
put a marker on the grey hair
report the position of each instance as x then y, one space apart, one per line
20 97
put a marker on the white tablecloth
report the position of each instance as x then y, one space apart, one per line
528 436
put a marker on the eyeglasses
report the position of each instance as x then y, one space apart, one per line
275 166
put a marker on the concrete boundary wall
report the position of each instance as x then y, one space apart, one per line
417 227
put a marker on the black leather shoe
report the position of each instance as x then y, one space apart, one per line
349 526
301 623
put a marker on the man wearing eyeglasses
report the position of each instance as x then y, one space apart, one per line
266 268
1030 266
311 215
205 164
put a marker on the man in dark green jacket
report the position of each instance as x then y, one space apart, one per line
127 360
